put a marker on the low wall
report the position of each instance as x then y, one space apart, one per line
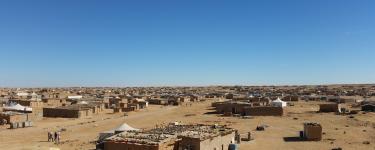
111 145
219 142
264 111
64 113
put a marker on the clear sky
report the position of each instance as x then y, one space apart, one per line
186 42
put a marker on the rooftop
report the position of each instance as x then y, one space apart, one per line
162 134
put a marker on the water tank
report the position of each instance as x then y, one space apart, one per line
233 147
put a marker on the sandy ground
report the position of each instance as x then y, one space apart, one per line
340 131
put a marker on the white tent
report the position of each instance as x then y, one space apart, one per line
124 127
278 103
75 97
83 102
22 94
17 107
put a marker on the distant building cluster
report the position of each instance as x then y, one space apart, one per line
20 108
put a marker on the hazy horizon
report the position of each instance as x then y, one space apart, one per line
186 43
226 85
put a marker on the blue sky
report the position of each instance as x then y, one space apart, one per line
195 42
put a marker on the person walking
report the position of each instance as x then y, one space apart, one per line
55 137
58 137
49 136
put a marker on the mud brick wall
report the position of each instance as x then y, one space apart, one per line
14 118
264 111
64 113
111 145
328 107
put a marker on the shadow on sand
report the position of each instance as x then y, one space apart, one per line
293 139
210 113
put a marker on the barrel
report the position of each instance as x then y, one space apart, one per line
233 147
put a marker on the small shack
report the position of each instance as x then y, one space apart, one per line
368 107
312 131
13 117
331 107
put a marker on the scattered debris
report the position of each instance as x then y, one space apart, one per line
261 127
366 142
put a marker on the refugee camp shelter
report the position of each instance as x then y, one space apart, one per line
312 131
28 103
369 106
13 117
333 107
278 103
18 108
73 111
124 127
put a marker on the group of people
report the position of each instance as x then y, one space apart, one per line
54 137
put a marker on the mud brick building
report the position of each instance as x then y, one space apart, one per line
13 117
73 111
29 103
173 137
247 109
333 107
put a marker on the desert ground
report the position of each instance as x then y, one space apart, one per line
343 131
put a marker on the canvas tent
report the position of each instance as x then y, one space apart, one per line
278 103
83 102
17 107
75 97
22 94
124 127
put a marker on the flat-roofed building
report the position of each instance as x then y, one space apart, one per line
173 137
73 111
